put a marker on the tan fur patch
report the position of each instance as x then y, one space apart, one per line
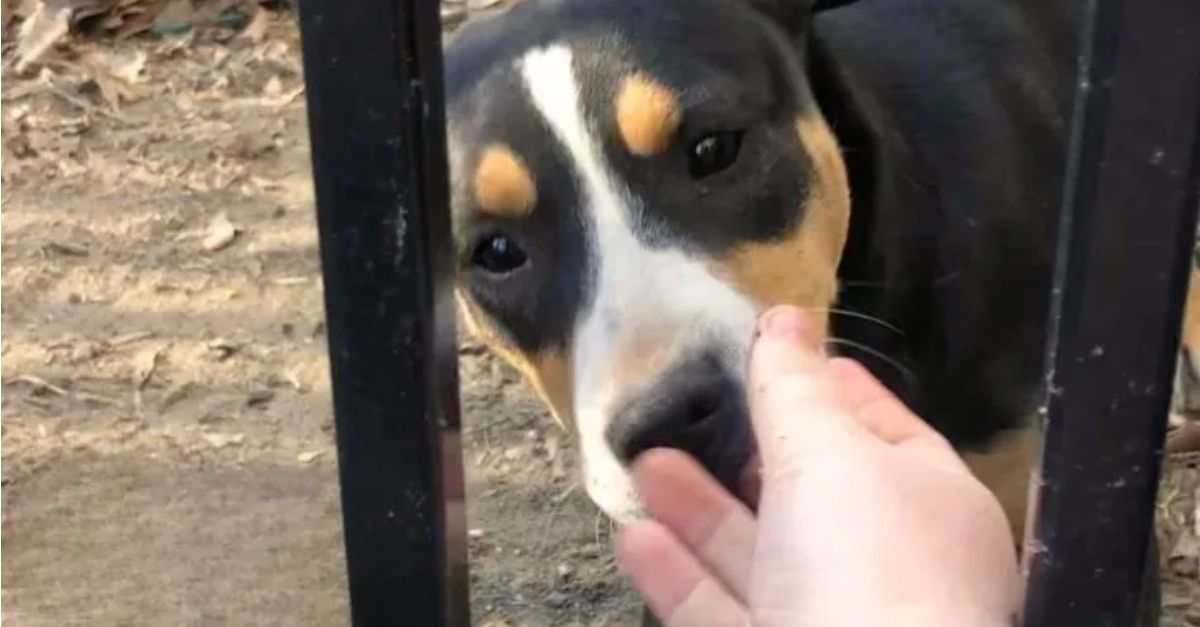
639 361
549 371
1191 315
1007 470
801 267
1186 398
647 115
503 184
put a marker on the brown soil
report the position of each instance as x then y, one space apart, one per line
167 451
167 435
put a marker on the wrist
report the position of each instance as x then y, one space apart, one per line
943 615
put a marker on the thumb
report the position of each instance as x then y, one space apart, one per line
793 406
787 343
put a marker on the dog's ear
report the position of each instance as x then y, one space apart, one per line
795 14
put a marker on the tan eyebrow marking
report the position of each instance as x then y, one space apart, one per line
547 370
648 114
503 184
764 269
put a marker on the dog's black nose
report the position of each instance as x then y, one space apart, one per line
696 407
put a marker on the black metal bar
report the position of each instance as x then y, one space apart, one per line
376 123
1129 216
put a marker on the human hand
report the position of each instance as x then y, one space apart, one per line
867 516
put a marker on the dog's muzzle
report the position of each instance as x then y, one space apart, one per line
695 407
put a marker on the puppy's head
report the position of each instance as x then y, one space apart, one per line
632 182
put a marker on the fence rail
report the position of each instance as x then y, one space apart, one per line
373 70
1125 254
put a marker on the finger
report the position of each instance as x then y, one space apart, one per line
749 488
873 405
711 523
793 407
787 342
878 410
673 582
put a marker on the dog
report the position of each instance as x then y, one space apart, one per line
633 181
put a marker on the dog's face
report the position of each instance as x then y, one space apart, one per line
632 182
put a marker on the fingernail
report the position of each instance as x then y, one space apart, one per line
782 321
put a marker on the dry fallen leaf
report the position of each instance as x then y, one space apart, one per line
256 28
293 379
288 98
130 338
115 74
222 348
273 88
140 18
220 234
48 23
128 65
1184 438
1184 559
86 351
175 46
66 248
19 9
259 398
40 385
96 399
175 394
221 440
1196 512
308 456
144 365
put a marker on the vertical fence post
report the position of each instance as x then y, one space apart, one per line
373 71
1125 251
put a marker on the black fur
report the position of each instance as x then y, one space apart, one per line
952 115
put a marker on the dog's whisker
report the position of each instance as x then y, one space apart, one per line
880 284
886 285
904 371
861 316
946 278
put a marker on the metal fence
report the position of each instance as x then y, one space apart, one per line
373 70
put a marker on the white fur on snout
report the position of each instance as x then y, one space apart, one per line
640 295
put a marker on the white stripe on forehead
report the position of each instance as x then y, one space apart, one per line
660 296
550 79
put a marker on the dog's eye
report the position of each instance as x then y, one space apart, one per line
498 254
713 152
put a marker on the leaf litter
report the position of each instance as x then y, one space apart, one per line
85 67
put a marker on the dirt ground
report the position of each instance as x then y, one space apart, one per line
167 449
